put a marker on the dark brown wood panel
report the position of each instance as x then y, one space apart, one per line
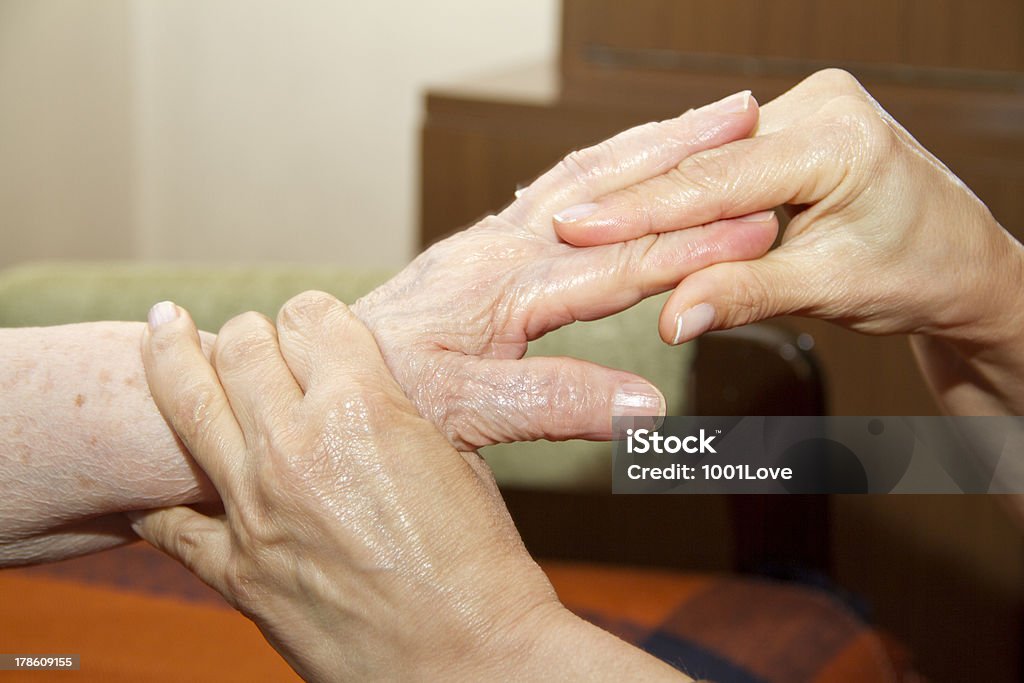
937 34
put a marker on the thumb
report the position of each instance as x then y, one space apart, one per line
200 543
727 295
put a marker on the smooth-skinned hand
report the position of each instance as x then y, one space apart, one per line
883 238
363 545
348 518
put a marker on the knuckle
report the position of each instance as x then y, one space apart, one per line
748 300
196 408
309 307
704 175
244 584
575 165
839 81
636 256
366 395
640 200
564 397
244 338
866 138
187 539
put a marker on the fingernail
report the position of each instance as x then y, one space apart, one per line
163 312
759 217
576 213
638 399
134 518
733 104
694 322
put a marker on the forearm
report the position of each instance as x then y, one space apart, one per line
82 440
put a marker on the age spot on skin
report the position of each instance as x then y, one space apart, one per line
79 400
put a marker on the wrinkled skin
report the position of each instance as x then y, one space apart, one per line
453 327
454 324
354 535
884 239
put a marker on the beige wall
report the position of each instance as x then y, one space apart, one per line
65 131
231 130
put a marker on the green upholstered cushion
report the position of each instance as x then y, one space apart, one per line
56 293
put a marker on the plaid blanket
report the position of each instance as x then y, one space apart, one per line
730 629
133 614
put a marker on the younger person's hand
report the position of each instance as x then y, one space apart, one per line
361 543
884 238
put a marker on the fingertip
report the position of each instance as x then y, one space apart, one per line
576 213
162 313
167 315
639 398
741 239
572 233
572 225
166 322
693 322
136 519
305 311
684 319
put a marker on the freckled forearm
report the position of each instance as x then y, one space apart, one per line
82 437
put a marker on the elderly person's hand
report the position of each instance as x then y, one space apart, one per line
454 324
453 327
359 540
883 239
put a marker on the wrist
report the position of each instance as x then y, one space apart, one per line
550 642
984 315
974 367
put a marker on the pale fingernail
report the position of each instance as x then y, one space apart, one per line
134 519
694 322
134 516
575 213
638 399
163 312
759 217
733 104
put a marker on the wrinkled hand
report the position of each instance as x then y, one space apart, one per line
884 238
362 544
454 325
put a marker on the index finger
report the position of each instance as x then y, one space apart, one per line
630 157
739 179
191 399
